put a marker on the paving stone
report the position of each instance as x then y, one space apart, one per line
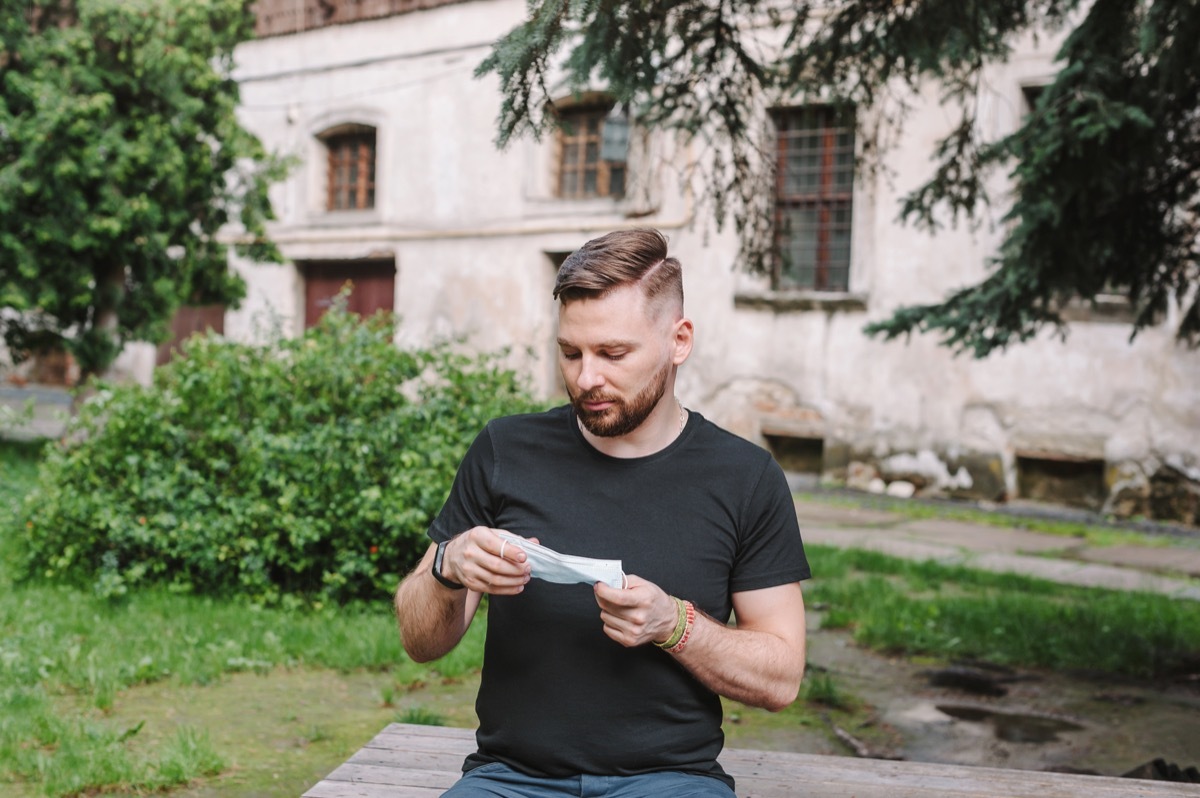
985 537
988 553
813 513
1164 560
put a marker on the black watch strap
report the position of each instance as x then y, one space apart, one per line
437 567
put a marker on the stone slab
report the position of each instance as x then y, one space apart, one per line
815 513
985 537
51 410
1065 571
1165 560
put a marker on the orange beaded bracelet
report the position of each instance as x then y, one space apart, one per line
690 621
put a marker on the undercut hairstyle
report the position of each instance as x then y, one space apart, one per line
625 257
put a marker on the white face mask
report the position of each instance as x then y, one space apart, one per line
566 569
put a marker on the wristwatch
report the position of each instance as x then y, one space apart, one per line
438 556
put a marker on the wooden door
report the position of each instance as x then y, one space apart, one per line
187 322
372 286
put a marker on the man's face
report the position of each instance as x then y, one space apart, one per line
615 357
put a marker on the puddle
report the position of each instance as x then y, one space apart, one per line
1013 727
1115 725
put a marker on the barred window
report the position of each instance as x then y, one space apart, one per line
581 171
351 178
813 197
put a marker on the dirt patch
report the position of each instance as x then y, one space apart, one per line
278 732
1044 720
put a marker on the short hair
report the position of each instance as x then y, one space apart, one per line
625 257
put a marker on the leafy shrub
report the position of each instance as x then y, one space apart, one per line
307 468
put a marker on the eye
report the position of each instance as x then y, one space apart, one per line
570 355
614 355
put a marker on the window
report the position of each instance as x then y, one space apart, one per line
814 186
1030 94
582 173
350 184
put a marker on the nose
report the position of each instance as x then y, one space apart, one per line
590 376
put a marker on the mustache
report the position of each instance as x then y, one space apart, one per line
594 396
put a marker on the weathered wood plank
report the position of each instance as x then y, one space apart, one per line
342 789
383 774
408 761
769 773
426 760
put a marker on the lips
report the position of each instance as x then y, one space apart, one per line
595 403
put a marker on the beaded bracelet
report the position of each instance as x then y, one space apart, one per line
680 625
683 627
687 629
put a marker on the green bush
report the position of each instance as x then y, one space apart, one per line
306 470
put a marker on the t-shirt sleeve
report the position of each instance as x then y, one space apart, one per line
770 549
470 501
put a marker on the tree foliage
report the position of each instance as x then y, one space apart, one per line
120 160
1105 172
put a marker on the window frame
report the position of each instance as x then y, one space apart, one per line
360 190
833 193
573 132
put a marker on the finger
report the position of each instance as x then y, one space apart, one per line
489 574
625 634
634 594
484 571
507 549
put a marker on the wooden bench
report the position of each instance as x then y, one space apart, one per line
407 760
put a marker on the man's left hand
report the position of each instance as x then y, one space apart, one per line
640 613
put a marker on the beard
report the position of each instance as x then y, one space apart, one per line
623 416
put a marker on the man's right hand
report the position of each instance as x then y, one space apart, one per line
474 559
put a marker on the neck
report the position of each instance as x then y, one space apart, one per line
657 432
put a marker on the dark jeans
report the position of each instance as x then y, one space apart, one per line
500 781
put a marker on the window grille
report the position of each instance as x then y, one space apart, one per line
351 178
581 171
814 186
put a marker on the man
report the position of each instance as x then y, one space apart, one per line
601 689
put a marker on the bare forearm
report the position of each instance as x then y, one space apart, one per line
756 668
760 662
432 619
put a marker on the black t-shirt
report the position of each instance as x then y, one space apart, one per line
706 517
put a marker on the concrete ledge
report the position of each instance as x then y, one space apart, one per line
405 760
51 409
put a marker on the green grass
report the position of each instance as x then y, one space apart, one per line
422 717
823 689
924 608
64 647
18 471
69 658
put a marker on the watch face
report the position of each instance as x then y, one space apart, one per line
437 558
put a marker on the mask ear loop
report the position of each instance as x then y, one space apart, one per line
624 581
503 543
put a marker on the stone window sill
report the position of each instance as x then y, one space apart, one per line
799 301
366 217
1111 308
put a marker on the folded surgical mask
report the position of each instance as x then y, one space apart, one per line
566 569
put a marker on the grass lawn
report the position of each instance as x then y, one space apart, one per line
162 692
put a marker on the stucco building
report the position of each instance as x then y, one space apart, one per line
401 189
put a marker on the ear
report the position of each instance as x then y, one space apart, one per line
682 338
